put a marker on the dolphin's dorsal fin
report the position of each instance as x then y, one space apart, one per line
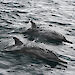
33 24
17 41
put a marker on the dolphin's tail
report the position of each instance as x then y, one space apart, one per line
68 41
65 40
61 61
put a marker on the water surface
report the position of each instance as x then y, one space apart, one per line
48 14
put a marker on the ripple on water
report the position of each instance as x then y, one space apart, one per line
62 24
12 5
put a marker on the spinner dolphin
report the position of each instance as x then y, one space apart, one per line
38 52
44 35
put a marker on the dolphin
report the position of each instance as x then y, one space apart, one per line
44 35
38 52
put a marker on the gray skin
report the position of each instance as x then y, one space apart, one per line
45 35
35 51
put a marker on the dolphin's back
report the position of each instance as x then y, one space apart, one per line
45 34
40 53
35 51
51 36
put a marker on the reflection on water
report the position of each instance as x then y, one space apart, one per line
48 14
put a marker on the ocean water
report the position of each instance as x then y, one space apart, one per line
57 15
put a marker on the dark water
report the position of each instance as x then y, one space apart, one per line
58 15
